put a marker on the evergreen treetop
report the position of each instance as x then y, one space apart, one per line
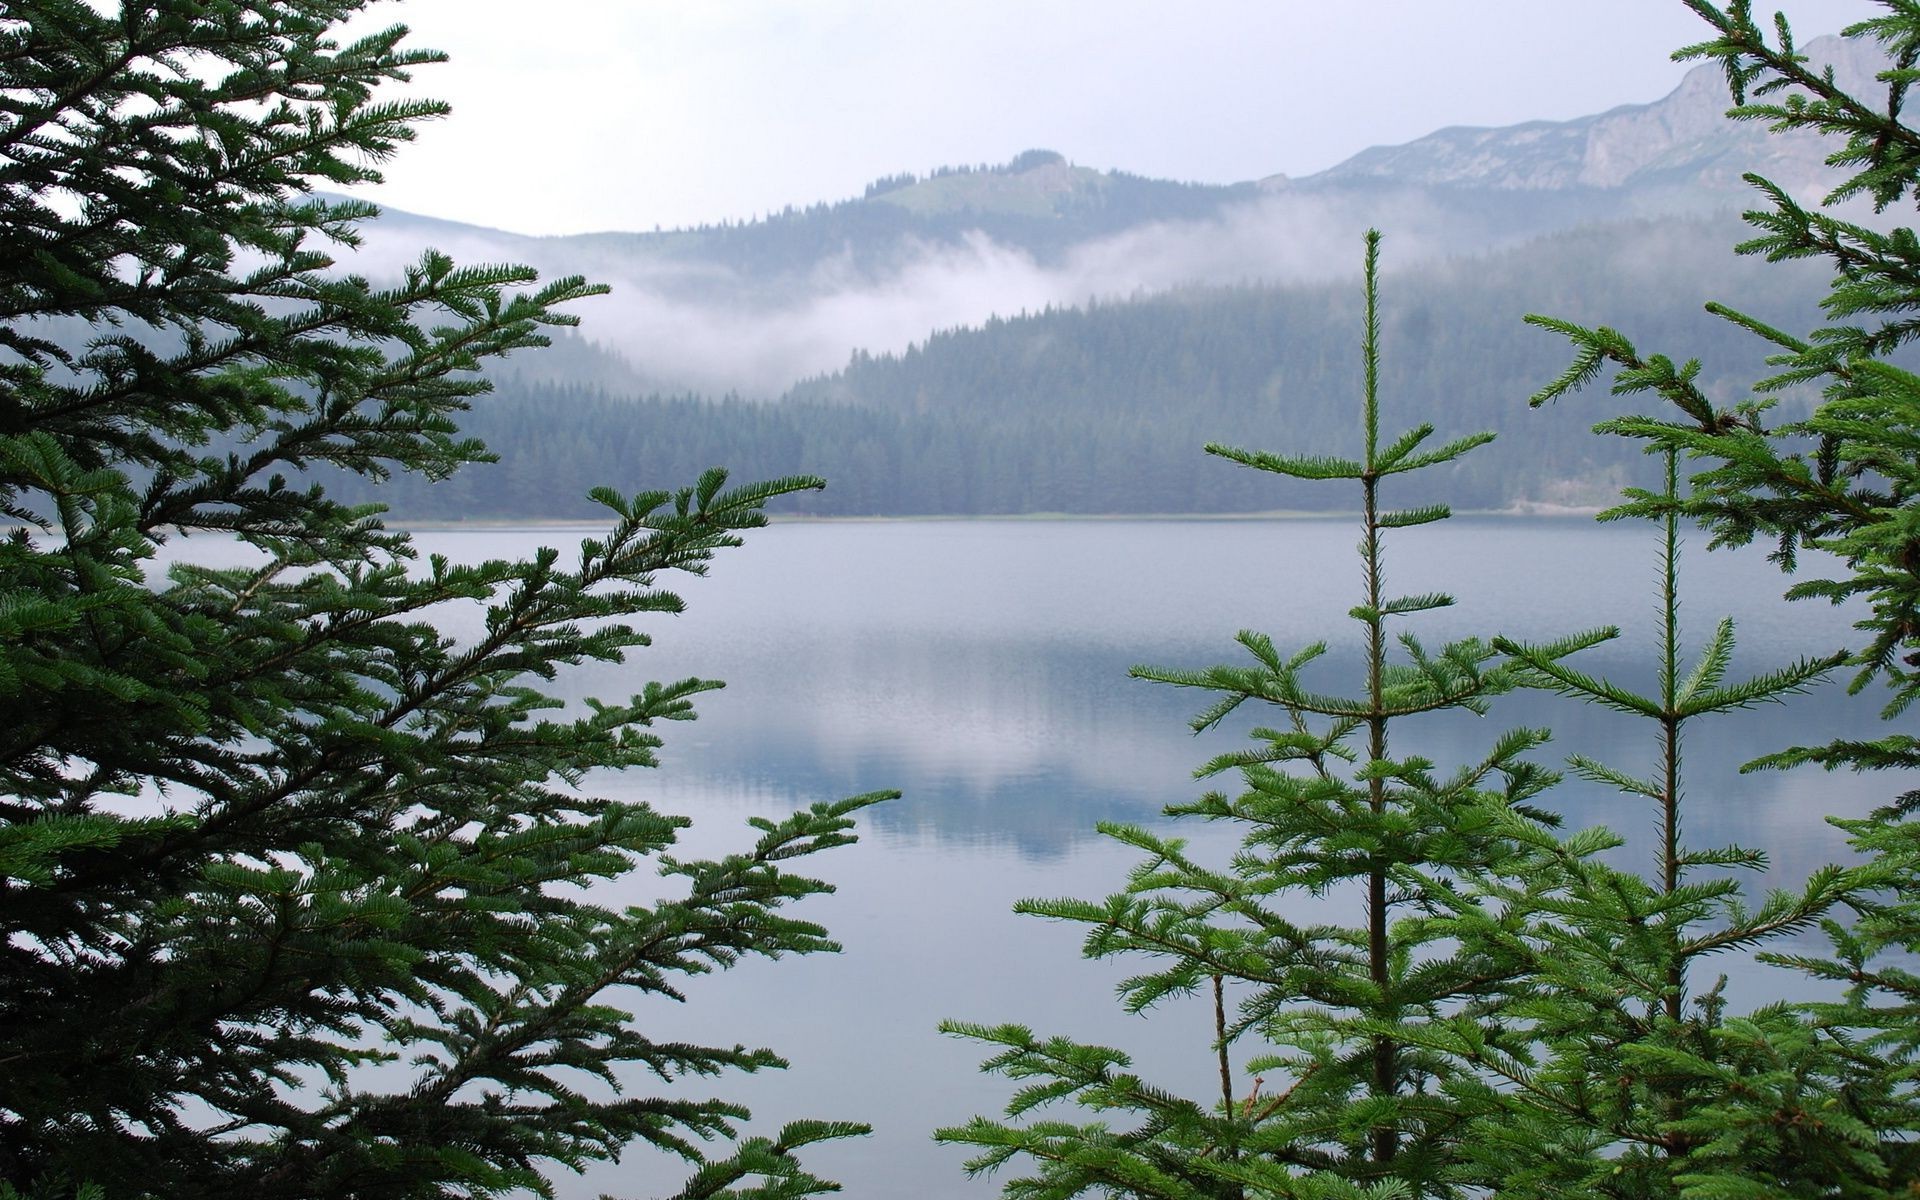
1334 1012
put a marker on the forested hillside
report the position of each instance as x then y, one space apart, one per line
1103 408
1037 202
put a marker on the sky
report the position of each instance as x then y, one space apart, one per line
580 115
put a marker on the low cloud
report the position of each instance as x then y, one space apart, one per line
694 326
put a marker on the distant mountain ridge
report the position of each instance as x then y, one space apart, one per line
1044 337
1682 139
755 306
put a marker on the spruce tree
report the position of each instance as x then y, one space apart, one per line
1333 1012
298 891
1621 1074
1844 479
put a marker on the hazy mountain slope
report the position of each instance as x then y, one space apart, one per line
754 306
1104 408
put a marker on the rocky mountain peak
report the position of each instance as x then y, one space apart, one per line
1682 139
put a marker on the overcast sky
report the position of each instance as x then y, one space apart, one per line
577 115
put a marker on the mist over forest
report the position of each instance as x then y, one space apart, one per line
1041 336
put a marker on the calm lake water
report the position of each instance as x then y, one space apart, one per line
980 667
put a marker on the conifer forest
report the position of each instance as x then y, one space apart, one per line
337 863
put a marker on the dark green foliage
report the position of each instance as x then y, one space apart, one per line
1339 1012
1843 477
291 882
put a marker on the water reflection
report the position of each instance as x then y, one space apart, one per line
981 668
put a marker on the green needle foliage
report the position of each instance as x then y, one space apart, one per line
1831 1100
1632 1081
1326 810
1843 479
297 891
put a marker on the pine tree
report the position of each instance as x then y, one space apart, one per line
297 890
1337 1011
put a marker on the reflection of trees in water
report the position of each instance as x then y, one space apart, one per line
1027 745
981 667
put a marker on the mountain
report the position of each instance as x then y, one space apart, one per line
1681 148
754 306
1043 336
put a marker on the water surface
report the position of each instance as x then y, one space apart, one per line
981 668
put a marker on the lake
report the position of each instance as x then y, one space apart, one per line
981 668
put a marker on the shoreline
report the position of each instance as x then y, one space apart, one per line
1525 511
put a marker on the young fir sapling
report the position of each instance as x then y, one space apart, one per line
1326 809
1841 476
1623 1071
